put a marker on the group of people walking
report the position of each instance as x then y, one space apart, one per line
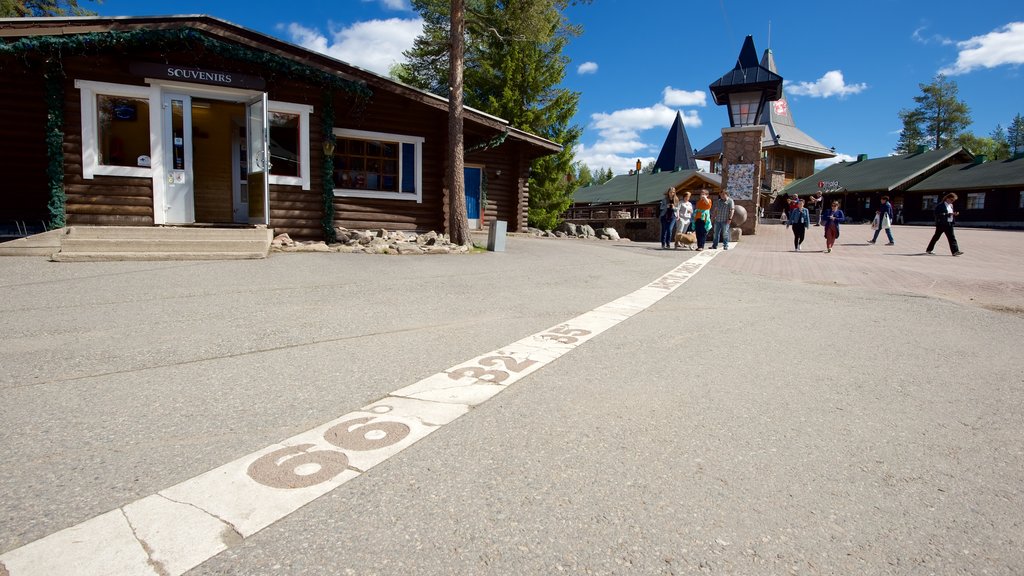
798 219
679 215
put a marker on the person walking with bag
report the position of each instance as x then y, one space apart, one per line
883 221
945 218
702 219
799 219
831 219
668 211
683 221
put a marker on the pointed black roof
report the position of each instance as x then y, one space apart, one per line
782 130
747 76
676 152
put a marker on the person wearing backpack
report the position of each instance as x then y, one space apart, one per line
702 219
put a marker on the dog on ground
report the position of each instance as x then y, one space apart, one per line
688 239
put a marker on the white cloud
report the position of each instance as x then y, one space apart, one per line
831 84
826 162
391 4
1003 46
619 144
919 36
673 97
587 68
375 45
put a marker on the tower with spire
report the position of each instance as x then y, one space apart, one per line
789 152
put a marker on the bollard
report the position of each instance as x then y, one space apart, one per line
496 236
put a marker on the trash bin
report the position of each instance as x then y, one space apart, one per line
496 236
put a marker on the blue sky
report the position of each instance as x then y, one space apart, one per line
849 68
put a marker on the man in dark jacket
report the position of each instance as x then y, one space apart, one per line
945 217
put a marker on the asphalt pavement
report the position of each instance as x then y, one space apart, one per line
778 412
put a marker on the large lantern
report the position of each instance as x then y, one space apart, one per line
747 87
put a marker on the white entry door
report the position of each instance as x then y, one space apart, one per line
179 196
258 150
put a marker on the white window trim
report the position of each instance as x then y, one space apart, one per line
88 90
303 111
416 141
975 198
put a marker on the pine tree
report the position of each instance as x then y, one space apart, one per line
513 66
37 8
1001 146
943 114
910 136
1015 135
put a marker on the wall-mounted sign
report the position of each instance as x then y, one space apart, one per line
740 182
197 75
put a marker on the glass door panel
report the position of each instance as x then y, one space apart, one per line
257 150
179 207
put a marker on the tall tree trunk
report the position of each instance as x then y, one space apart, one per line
456 182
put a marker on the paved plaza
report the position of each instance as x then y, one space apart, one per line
566 406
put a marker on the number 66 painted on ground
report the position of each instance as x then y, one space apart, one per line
282 468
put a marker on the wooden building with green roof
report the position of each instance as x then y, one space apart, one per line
991 193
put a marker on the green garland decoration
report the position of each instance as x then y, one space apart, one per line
492 143
176 39
330 234
56 206
52 50
483 191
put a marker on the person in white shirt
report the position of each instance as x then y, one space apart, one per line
945 218
683 220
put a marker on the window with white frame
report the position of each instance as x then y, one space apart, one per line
288 125
116 134
377 165
929 202
976 201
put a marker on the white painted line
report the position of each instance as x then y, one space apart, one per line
102 545
175 549
186 524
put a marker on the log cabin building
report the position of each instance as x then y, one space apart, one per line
991 194
191 120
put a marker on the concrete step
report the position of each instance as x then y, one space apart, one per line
153 244
93 243
167 232
153 256
36 245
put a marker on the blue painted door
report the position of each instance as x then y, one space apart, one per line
473 178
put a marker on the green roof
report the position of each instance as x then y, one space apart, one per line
651 187
998 174
879 174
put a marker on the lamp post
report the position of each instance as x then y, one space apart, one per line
636 200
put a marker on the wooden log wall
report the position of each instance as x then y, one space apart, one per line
389 113
110 200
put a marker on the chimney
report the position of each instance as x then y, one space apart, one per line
980 159
862 157
921 149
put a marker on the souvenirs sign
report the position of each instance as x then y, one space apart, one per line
197 75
